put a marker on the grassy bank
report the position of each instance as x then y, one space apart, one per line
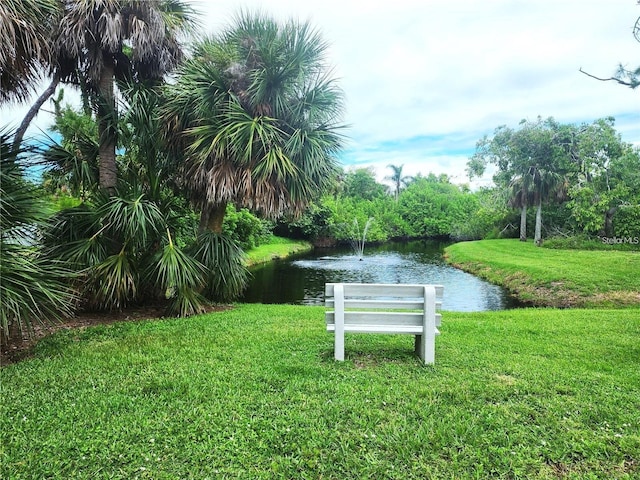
560 278
278 247
253 392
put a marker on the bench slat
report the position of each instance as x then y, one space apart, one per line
382 290
381 318
400 329
383 304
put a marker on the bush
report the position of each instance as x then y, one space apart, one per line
626 222
245 228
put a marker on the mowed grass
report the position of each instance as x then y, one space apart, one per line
254 392
278 247
547 277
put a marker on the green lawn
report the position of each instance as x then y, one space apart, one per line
253 392
546 277
278 247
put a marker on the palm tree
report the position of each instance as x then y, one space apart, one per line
398 180
34 286
126 247
549 185
96 42
24 27
521 196
256 115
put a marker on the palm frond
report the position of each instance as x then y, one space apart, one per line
259 115
134 217
34 287
223 259
114 282
179 277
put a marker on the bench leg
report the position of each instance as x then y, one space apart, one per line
426 343
339 347
417 348
338 296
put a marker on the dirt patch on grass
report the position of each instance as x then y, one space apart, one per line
20 349
616 299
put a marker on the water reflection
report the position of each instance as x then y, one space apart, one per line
301 280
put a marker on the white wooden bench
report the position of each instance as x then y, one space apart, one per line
385 308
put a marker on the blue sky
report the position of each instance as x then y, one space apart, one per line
424 80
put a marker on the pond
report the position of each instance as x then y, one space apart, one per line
301 279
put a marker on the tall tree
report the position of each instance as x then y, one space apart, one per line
531 161
96 42
399 181
521 197
549 185
605 177
258 116
361 183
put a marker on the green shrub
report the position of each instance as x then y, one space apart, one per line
626 222
245 228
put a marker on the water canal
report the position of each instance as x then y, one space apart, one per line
301 279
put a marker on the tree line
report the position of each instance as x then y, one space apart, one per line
554 180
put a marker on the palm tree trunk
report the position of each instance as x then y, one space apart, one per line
523 224
538 233
107 129
33 111
608 221
212 217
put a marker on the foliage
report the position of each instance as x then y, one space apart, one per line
347 210
361 183
546 277
314 223
254 114
531 162
224 263
162 399
626 223
607 179
116 244
33 286
246 229
434 208
398 180
140 244
98 42
487 216
24 31
587 164
429 206
73 161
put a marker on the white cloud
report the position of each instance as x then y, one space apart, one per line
450 72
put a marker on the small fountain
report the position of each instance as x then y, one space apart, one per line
356 240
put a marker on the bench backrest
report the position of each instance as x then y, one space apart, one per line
382 304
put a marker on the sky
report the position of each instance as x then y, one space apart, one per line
424 80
